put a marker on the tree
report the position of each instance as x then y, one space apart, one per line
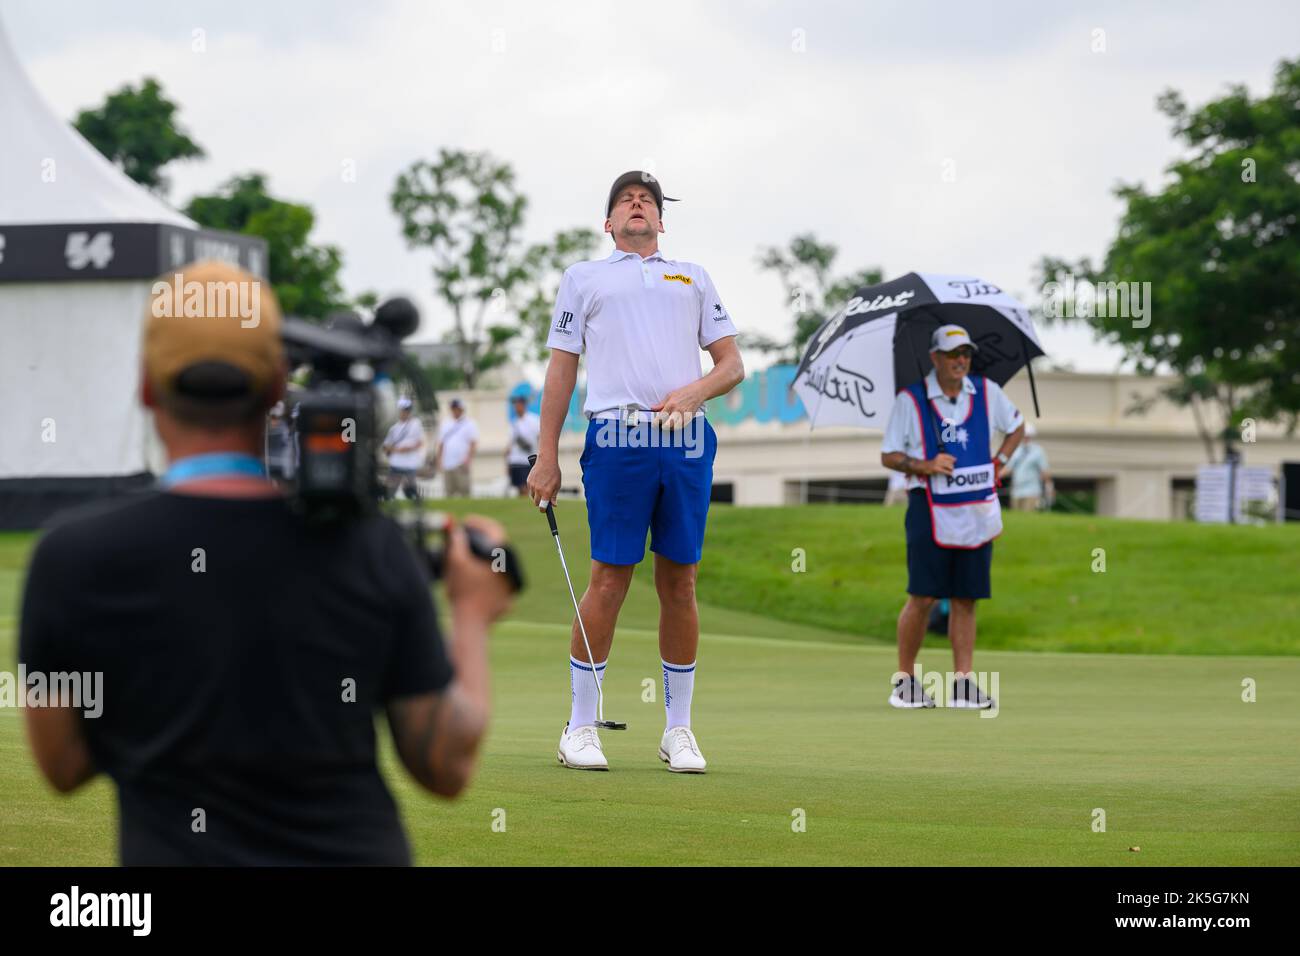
805 270
137 130
544 265
442 376
305 276
1219 245
466 209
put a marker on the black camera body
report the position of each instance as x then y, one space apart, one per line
337 418
337 435
337 425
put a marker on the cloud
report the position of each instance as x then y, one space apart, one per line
850 138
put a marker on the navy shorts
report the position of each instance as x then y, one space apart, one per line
519 475
646 479
933 571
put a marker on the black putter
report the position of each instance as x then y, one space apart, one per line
591 658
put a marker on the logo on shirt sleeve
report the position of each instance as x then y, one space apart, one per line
563 322
678 277
719 313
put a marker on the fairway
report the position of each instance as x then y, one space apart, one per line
794 718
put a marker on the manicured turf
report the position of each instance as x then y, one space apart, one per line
794 718
1177 588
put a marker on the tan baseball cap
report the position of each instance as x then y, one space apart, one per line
212 313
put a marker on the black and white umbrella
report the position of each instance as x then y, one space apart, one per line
879 343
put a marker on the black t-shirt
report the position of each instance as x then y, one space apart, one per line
227 689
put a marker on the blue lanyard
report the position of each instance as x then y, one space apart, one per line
221 464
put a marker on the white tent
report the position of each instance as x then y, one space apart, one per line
80 244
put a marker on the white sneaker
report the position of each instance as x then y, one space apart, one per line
580 749
679 750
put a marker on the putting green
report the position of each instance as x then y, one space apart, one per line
793 718
1181 766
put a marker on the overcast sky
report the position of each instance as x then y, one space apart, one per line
767 119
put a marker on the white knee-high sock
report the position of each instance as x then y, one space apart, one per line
679 683
582 712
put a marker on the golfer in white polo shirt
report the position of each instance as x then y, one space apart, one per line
641 319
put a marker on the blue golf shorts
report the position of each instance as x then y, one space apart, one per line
933 571
644 479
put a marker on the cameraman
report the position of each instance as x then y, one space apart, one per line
242 653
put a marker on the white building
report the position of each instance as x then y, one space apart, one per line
1131 466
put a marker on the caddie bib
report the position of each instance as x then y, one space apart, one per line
964 507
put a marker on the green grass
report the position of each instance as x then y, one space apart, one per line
790 711
1167 587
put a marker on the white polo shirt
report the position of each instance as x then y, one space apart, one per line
642 324
455 435
525 429
404 433
903 433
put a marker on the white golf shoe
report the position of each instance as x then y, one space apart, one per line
679 750
580 749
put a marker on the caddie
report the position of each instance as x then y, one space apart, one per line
940 436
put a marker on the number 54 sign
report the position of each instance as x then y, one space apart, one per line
82 250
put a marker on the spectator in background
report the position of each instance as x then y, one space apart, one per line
404 444
279 446
457 442
1031 479
525 427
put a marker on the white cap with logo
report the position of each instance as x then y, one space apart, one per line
949 337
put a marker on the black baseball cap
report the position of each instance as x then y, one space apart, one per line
638 177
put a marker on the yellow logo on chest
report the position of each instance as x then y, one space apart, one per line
678 277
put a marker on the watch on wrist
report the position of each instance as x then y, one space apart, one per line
1002 458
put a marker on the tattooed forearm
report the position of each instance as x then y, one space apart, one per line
899 461
437 737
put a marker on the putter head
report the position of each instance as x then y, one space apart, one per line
611 725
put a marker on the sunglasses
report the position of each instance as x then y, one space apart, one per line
964 352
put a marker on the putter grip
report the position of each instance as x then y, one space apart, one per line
550 509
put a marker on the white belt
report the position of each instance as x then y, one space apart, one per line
631 416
